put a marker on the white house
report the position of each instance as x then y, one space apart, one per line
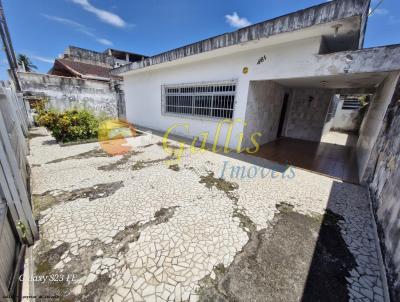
276 78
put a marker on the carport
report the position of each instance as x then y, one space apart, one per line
293 115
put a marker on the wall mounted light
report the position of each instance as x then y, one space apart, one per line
336 29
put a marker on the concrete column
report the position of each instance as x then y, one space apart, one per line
373 121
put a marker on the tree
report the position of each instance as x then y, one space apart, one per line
25 62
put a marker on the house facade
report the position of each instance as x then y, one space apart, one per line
296 62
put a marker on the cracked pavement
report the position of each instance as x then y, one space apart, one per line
144 227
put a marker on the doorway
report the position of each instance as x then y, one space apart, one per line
283 115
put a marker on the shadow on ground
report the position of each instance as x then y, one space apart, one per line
298 258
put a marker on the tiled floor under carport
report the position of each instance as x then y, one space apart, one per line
329 159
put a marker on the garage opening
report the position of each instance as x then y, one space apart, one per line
316 124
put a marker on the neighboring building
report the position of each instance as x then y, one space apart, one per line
81 78
277 77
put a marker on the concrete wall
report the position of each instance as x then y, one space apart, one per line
345 120
66 93
307 113
89 56
384 179
143 90
372 122
264 105
330 116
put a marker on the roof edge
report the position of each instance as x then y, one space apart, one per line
315 15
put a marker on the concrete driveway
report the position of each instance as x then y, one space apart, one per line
140 227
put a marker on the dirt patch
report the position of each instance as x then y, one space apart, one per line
42 202
45 260
49 257
148 163
163 215
174 167
296 259
95 290
132 233
77 267
80 265
128 235
245 223
172 147
121 162
284 207
46 200
84 155
49 142
221 184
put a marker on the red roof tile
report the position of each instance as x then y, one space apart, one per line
85 70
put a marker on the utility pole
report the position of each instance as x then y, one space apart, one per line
8 48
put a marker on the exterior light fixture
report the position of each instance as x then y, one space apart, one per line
336 28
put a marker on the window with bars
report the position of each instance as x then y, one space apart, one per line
215 100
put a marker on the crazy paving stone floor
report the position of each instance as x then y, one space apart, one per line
140 227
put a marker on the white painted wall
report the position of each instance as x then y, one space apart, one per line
143 89
345 120
330 116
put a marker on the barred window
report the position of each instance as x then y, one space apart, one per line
209 100
351 104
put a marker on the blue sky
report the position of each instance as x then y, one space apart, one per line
42 29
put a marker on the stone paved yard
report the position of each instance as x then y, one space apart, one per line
140 227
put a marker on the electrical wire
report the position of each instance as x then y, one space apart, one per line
376 6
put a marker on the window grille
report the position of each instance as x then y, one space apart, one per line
214 100
351 104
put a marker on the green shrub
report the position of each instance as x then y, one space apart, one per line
47 119
71 125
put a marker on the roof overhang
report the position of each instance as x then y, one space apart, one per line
362 70
319 20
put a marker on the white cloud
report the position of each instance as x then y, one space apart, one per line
235 21
43 59
78 27
105 42
64 21
103 15
379 11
